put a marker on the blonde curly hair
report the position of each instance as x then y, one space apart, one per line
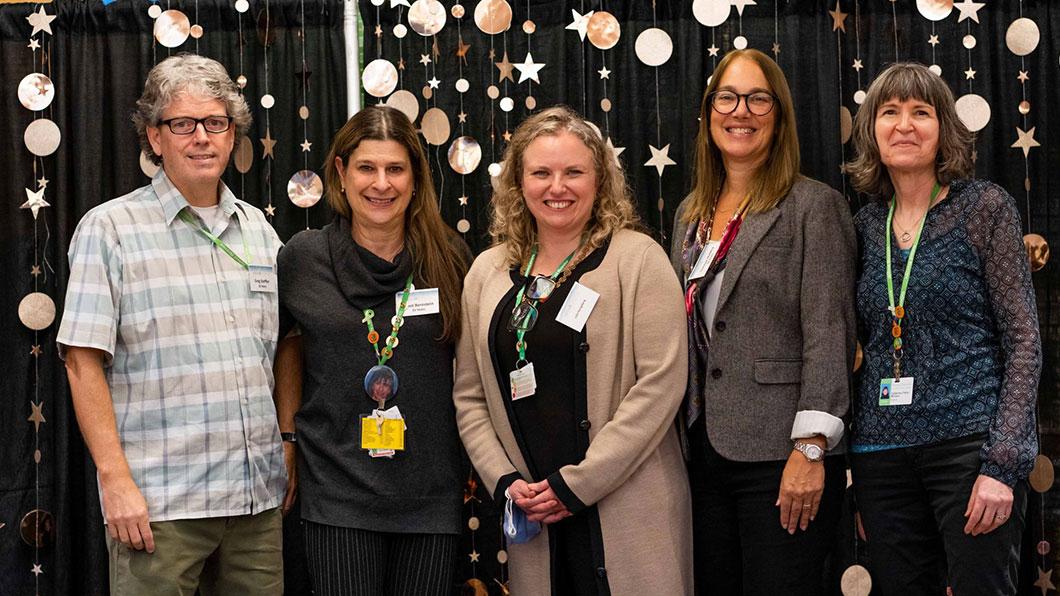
511 222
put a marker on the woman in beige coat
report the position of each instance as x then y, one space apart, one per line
570 369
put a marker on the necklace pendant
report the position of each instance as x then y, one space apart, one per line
905 237
381 383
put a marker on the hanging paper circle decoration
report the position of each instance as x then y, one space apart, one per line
934 10
464 155
427 17
172 28
855 581
244 155
406 102
1037 251
379 78
36 311
846 124
493 16
711 13
36 92
42 137
435 126
305 188
1022 36
974 111
147 166
1042 476
37 528
654 46
603 30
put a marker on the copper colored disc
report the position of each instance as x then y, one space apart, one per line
172 28
1042 476
531 102
605 104
493 16
244 155
303 113
846 124
493 92
42 137
36 92
379 78
36 311
464 155
427 17
37 528
457 11
427 92
603 30
1044 547
463 226
502 556
859 357
529 27
1037 251
934 10
305 188
196 31
1025 107
435 126
474 587
856 581
406 102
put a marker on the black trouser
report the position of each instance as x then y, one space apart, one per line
739 545
352 562
912 502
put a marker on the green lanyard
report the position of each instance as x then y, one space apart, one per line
396 322
218 242
520 343
897 310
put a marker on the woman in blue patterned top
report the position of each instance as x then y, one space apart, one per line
944 418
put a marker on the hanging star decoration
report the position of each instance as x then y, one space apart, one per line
580 23
35 201
1024 76
435 50
969 10
713 50
378 31
471 485
838 18
528 69
615 151
401 64
739 4
35 270
33 44
505 66
858 65
604 73
969 74
1044 581
37 417
397 3
36 569
474 555
305 145
268 143
270 210
35 350
505 590
1026 140
433 82
461 50
660 158
463 203
42 182
462 117
776 49
933 40
41 21
425 59
507 136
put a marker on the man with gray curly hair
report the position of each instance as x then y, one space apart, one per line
168 334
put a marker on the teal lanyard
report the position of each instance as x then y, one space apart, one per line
897 310
188 219
520 343
399 319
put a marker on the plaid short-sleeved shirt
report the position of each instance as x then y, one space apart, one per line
189 348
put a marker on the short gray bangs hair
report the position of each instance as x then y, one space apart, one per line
196 75
904 81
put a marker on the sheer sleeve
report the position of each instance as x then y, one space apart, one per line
994 228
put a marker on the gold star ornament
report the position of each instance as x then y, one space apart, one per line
268 143
37 417
1025 141
838 18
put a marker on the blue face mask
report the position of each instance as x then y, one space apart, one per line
518 529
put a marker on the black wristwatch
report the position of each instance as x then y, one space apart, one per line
289 437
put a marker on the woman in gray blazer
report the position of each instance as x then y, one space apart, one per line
767 260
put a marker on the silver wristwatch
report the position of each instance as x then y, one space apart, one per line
811 451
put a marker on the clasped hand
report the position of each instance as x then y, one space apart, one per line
539 501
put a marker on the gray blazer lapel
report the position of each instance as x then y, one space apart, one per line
752 231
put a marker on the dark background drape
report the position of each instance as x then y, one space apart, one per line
100 56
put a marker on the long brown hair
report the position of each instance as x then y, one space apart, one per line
433 245
781 168
511 222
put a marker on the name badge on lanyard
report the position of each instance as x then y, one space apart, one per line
896 392
706 258
523 381
262 278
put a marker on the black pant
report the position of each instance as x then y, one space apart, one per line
352 562
739 545
912 503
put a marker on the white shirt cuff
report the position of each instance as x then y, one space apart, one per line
814 422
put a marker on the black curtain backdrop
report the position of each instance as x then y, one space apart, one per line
99 56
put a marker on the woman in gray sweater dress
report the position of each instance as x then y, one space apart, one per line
365 388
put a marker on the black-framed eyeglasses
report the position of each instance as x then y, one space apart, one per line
524 315
186 126
758 103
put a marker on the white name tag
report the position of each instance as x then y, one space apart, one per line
896 392
262 278
523 382
421 302
577 307
706 257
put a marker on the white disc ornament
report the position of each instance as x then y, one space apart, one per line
42 137
172 28
154 11
305 188
711 13
379 78
427 17
435 126
462 85
974 111
242 5
267 101
406 102
739 42
1022 36
654 46
934 10
36 311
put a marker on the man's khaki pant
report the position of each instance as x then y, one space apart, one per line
222 556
